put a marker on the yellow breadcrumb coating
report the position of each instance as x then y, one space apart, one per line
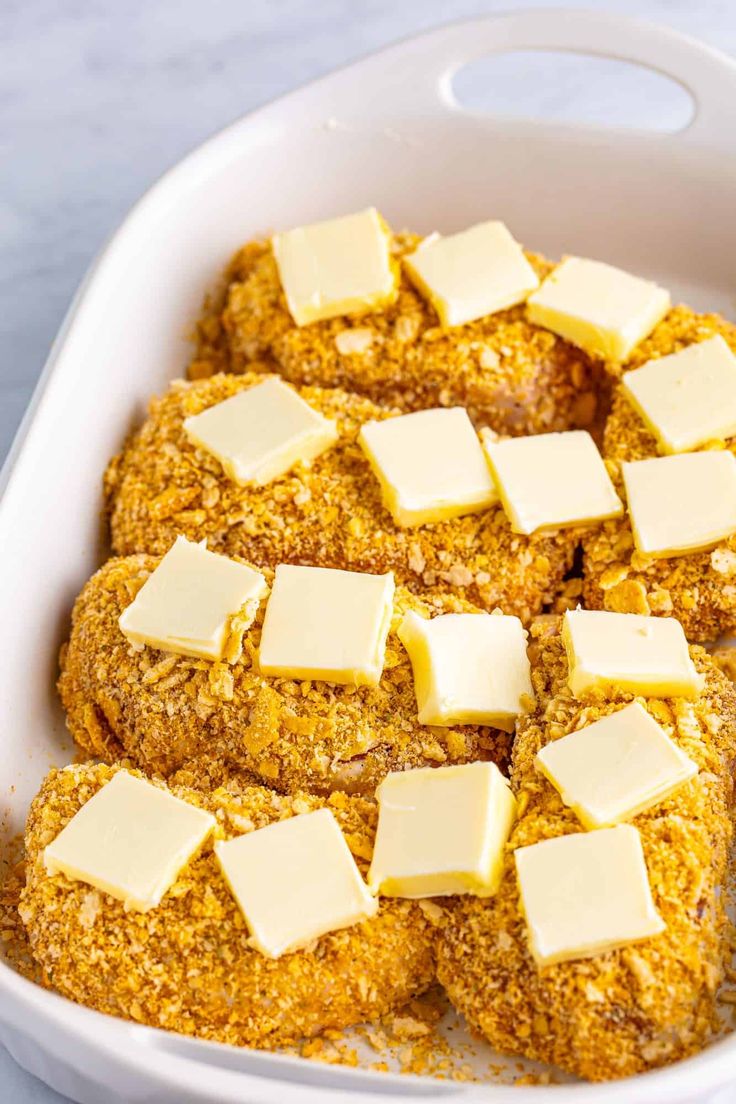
328 514
698 589
510 374
210 721
681 326
640 1006
725 659
186 966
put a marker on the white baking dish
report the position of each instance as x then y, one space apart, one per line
385 131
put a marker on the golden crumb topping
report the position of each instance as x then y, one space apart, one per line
328 513
698 589
640 1006
187 965
681 326
209 721
509 373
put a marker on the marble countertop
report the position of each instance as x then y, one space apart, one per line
97 99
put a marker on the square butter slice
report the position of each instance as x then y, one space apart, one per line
585 893
430 466
326 624
687 398
681 504
262 432
130 840
295 881
469 668
187 603
471 274
629 653
601 309
551 480
339 266
615 768
441 831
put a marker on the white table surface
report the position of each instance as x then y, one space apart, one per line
98 97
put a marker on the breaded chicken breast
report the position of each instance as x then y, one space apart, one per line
327 514
643 1005
698 589
510 374
187 965
212 721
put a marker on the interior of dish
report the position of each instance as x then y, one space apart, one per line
515 378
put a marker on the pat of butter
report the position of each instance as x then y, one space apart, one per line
469 668
585 894
552 480
681 504
441 831
471 274
601 309
629 653
294 881
615 768
187 603
687 398
326 624
430 466
130 840
261 433
340 266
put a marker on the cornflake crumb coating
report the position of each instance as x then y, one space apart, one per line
328 513
509 373
640 1006
698 589
681 326
409 1038
210 721
186 965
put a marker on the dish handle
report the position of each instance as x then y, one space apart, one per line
425 66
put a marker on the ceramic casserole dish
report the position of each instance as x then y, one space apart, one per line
386 131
